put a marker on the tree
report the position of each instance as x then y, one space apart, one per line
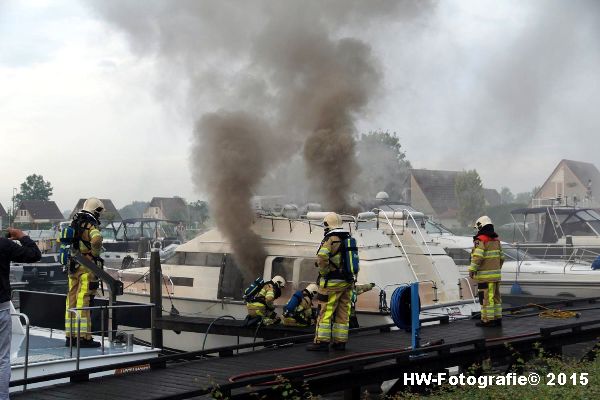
198 211
506 196
384 166
134 210
34 188
469 193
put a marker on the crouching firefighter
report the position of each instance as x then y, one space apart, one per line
485 268
337 260
299 309
82 236
260 298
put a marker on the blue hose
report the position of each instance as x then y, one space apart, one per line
400 316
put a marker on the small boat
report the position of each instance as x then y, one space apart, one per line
556 231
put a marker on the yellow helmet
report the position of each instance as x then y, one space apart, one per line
93 206
482 221
332 221
313 289
279 281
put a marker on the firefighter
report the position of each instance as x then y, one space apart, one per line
261 308
299 310
486 264
82 282
335 289
357 291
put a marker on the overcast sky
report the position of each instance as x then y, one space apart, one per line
508 88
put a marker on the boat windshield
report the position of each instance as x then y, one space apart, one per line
514 254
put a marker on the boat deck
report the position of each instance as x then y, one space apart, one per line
373 355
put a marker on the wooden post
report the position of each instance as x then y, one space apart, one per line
156 297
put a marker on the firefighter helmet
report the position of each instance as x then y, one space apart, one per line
312 289
332 221
93 206
482 221
279 281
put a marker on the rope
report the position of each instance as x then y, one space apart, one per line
554 313
137 280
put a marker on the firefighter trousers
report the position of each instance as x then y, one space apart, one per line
334 314
268 316
490 300
82 288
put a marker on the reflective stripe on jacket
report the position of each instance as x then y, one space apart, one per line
486 259
264 298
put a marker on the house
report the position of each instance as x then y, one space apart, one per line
110 211
492 197
573 182
169 208
38 212
433 192
3 217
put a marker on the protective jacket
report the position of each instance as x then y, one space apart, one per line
329 261
302 314
486 259
265 298
10 251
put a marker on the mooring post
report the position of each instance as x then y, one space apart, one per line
156 297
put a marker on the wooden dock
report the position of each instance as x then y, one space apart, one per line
373 355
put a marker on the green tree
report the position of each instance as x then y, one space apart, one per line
198 211
506 196
134 210
469 193
384 166
34 188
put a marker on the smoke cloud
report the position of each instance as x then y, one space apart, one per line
266 80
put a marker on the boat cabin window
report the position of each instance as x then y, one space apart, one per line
460 256
196 259
284 267
308 272
231 281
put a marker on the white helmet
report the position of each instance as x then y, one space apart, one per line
93 206
332 221
482 221
279 281
313 289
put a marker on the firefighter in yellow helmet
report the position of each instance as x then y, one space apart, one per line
335 290
83 284
299 309
485 268
262 307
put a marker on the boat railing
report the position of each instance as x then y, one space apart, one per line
76 312
26 364
469 286
391 225
425 243
571 255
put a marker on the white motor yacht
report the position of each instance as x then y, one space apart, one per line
202 278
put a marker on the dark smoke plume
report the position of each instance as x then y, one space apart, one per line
299 82
235 139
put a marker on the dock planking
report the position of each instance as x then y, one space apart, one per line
464 343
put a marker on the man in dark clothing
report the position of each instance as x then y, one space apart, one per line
10 251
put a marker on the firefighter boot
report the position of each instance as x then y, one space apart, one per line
320 346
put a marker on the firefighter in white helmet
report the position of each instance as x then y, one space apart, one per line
335 289
262 307
83 284
485 268
299 309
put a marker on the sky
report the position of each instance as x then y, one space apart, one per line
508 88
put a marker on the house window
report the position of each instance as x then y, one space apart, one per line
23 213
